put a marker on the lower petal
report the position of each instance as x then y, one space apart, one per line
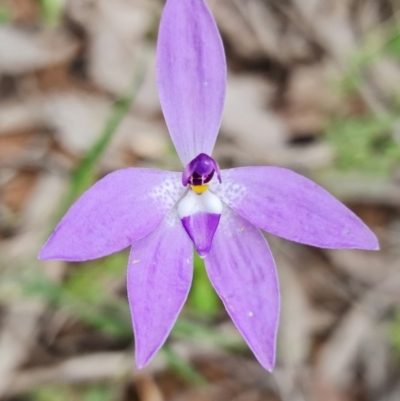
242 270
158 281
200 214
201 228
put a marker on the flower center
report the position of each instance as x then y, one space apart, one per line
200 210
200 215
199 172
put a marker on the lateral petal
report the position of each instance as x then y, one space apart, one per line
242 270
121 208
191 72
291 206
159 276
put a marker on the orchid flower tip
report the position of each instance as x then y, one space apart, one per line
269 365
44 254
202 255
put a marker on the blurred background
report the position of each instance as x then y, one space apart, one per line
314 85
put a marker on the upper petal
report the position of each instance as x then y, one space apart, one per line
121 208
291 206
159 276
191 72
242 271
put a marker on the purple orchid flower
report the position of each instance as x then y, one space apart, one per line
161 214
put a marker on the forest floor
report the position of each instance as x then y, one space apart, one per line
312 85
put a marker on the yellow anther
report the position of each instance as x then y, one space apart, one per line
199 189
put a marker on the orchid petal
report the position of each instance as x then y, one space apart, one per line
201 229
159 277
200 214
242 270
291 206
191 72
121 208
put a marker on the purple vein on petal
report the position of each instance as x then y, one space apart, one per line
191 72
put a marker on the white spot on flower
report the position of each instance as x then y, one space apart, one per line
250 314
229 191
167 193
192 203
171 218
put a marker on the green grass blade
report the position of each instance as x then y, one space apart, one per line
85 174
